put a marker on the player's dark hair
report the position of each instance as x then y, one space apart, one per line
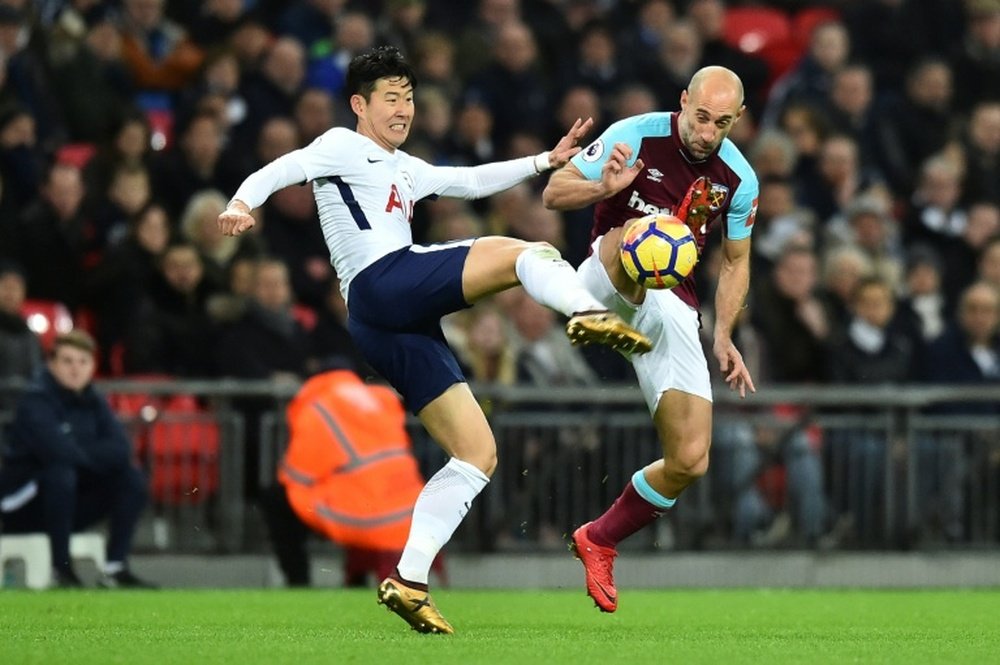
370 66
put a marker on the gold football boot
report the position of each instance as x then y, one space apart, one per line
415 607
604 327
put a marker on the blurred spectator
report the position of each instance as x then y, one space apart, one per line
158 52
838 180
348 475
274 88
912 127
581 102
889 35
844 268
989 262
598 66
330 340
68 464
193 164
21 171
353 33
216 21
290 232
936 217
870 351
679 57
198 227
218 83
748 461
708 17
977 65
968 353
632 99
401 23
314 114
982 153
545 356
487 353
88 75
171 332
128 191
773 155
127 144
431 136
478 37
791 318
26 76
309 21
867 225
811 79
20 350
780 222
851 109
472 142
122 280
48 239
434 60
513 85
267 342
923 309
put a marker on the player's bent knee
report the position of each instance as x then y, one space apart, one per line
484 461
689 464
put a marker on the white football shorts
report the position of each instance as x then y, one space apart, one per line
677 361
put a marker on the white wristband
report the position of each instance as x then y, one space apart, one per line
542 162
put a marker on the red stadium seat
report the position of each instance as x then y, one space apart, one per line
47 318
76 154
806 20
183 454
306 316
751 29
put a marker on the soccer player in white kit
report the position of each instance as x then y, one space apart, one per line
397 292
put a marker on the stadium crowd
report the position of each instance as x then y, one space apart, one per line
873 126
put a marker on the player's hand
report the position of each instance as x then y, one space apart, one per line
616 174
235 220
734 370
566 148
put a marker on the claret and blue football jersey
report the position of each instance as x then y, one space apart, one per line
669 171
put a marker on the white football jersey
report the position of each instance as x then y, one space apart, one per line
365 194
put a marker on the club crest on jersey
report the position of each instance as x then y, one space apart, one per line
717 196
593 151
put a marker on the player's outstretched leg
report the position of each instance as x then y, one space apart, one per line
551 281
598 567
413 605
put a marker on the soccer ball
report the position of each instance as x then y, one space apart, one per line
658 251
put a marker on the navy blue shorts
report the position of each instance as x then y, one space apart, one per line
395 307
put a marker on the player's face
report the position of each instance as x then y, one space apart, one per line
707 116
386 117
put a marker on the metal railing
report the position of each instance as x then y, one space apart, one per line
808 466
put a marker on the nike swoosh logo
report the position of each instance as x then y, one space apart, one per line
611 597
373 161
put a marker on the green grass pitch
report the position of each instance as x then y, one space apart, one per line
522 627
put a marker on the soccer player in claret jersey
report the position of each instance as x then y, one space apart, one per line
677 163
396 292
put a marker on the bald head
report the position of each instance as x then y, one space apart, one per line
716 80
710 106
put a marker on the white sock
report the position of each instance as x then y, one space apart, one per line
551 281
113 567
440 508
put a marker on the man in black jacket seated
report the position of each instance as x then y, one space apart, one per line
67 463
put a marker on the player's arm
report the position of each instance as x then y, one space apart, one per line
476 182
600 171
294 168
734 282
